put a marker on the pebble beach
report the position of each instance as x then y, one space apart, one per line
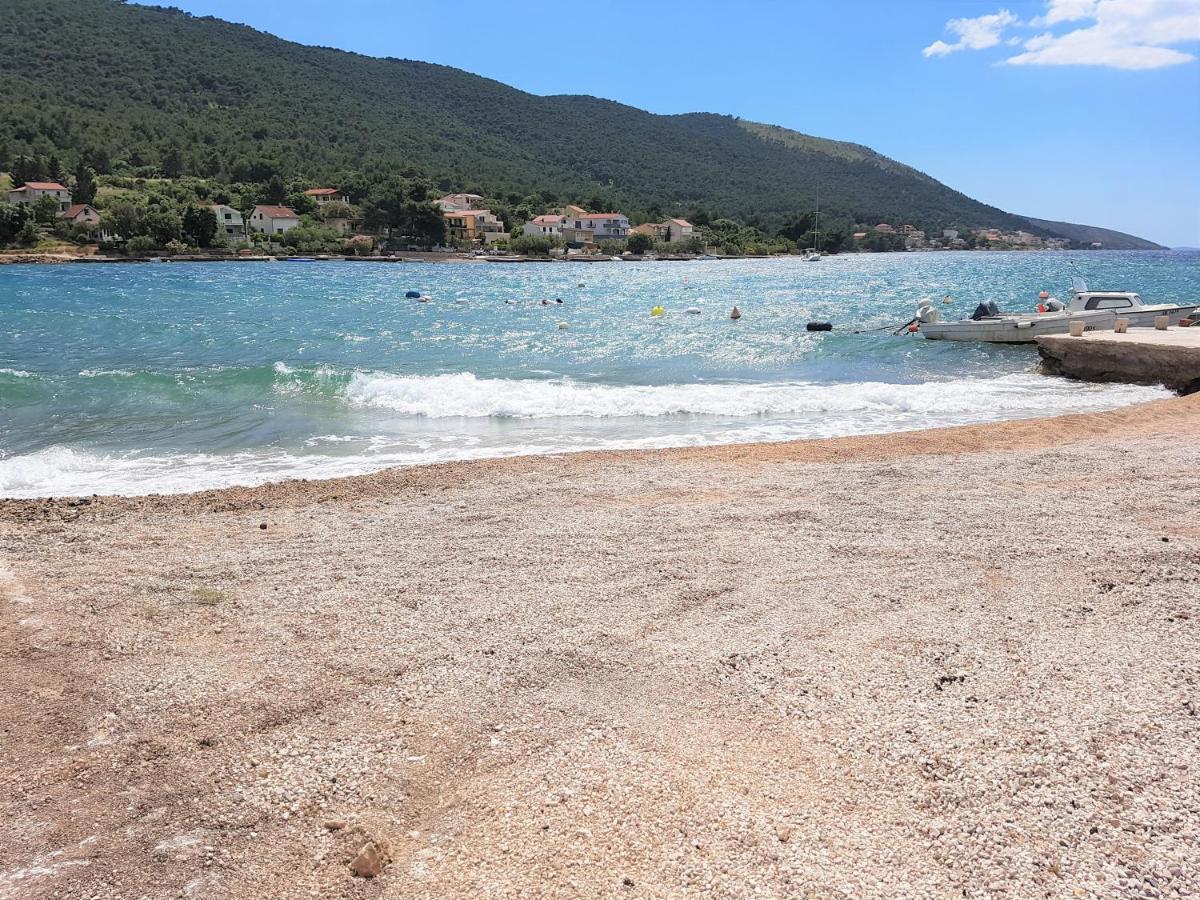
955 662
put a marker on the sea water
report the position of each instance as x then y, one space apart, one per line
147 378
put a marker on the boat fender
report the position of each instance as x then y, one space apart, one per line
412 295
819 326
1041 307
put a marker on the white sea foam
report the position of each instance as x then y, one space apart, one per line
16 373
561 416
464 395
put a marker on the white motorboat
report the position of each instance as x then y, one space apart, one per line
1096 309
1128 305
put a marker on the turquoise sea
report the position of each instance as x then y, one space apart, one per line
145 378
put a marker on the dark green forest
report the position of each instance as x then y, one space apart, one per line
141 92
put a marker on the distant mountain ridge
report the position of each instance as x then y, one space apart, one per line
129 85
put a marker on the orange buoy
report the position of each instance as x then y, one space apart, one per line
913 328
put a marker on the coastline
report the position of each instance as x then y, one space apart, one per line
1154 417
925 663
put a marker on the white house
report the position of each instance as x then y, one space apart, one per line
458 202
592 227
230 223
33 191
273 219
544 226
327 195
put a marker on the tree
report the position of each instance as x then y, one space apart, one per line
85 184
639 243
46 210
125 219
172 162
276 190
164 224
199 225
26 169
12 220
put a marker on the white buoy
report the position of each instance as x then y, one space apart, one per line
562 326
693 310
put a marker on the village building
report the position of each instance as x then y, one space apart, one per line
655 230
885 228
81 214
474 226
591 228
230 223
949 233
679 230
457 202
33 191
327 195
544 226
273 219
342 224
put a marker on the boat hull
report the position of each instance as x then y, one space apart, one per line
1014 329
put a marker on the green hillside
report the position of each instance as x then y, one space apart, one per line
143 91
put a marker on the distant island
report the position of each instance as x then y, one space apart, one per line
160 131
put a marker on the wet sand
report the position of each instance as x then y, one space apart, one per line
952 662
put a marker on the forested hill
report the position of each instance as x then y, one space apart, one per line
144 90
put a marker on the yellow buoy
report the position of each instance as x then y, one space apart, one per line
657 311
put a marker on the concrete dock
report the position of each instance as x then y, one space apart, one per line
1140 356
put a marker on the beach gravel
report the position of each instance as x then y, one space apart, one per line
954 663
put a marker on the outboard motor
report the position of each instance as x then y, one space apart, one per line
1053 304
985 311
926 314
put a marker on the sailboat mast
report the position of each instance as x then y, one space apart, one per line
817 224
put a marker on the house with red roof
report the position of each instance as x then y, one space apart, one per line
273 219
679 230
327 195
33 191
549 225
81 214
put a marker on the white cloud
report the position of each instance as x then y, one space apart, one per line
973 34
1117 34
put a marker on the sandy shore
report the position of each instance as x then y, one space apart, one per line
960 662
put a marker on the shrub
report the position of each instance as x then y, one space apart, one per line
141 244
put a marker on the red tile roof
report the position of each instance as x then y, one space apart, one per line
600 216
683 222
547 220
74 210
277 212
42 186
321 192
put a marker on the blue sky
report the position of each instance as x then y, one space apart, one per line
1078 110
